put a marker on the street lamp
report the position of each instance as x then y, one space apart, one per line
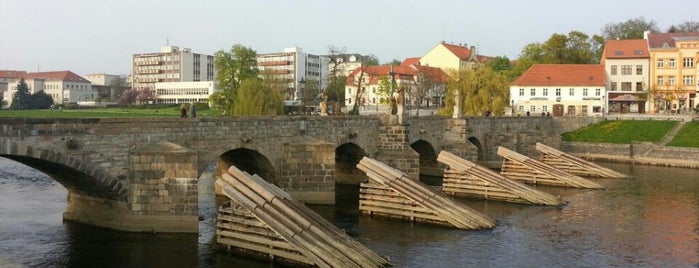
299 96
512 106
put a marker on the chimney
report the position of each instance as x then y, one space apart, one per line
473 51
645 34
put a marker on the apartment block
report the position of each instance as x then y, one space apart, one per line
294 71
171 64
674 71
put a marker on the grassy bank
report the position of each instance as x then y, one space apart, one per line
621 131
687 137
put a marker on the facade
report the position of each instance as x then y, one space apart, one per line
171 64
344 64
423 85
674 71
560 90
183 92
63 86
6 77
295 71
627 67
449 57
101 83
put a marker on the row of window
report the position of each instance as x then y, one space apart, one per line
686 63
182 91
571 92
627 69
687 80
626 86
572 110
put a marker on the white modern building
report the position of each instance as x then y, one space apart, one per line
627 67
560 90
294 69
183 92
171 64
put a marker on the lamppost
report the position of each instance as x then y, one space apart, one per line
393 82
604 105
512 106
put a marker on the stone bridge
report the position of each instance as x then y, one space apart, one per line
141 174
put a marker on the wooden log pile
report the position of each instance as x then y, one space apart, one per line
322 243
391 193
465 178
522 168
575 165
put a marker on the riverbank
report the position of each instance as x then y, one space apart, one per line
635 153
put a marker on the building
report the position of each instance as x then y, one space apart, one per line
626 64
449 57
63 86
295 71
423 85
674 72
560 89
184 92
6 77
102 84
171 64
343 64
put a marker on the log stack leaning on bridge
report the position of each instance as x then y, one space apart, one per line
391 193
465 178
293 231
575 165
522 168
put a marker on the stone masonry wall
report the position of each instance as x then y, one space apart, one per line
308 171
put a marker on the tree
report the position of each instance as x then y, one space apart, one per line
116 88
359 82
232 68
394 62
257 98
685 27
504 67
128 97
482 90
146 95
574 48
420 94
21 99
630 29
40 100
336 87
310 92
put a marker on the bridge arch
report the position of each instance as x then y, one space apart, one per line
430 171
250 161
477 143
347 156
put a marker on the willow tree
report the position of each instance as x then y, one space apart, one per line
233 67
482 90
254 97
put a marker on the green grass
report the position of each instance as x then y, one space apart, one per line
621 131
687 137
101 113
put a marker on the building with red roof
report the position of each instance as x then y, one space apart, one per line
627 67
560 89
453 57
423 85
62 86
674 73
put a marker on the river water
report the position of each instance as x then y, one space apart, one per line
651 220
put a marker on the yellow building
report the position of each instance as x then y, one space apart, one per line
449 57
673 73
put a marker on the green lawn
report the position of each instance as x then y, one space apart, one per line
621 131
687 137
101 112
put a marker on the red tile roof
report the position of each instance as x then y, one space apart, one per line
459 51
659 40
562 75
402 73
12 74
60 75
626 49
411 61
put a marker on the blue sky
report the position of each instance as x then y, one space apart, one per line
88 36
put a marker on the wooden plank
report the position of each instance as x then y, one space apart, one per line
575 165
520 167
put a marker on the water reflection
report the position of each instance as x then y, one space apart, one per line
651 220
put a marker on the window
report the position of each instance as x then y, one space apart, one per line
584 110
613 69
349 101
545 92
521 92
613 86
639 69
571 92
626 86
598 92
544 108
639 86
521 108
671 63
661 63
584 92
349 91
558 92
660 81
671 80
625 69
532 92
532 108
688 63
688 80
